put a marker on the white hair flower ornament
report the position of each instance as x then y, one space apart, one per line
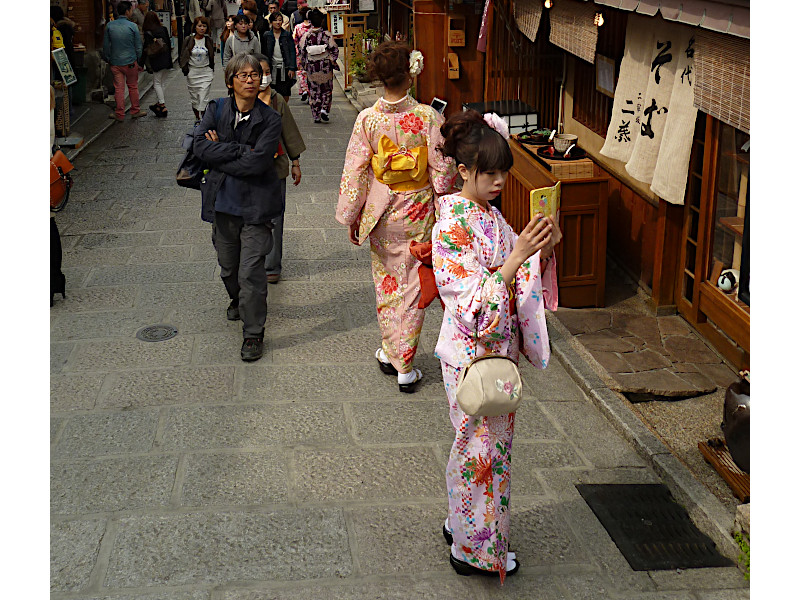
415 63
497 123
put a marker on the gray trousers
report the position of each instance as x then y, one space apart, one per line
273 263
241 250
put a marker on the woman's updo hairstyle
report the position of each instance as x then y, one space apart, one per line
389 63
470 141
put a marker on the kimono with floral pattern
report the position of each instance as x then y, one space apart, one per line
469 244
299 31
392 219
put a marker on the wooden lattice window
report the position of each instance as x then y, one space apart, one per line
590 107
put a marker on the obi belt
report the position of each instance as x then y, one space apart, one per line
401 169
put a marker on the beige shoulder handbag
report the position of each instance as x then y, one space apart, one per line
490 385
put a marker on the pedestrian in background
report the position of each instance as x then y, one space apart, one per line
391 203
278 46
122 48
161 62
232 7
197 63
495 287
290 149
302 27
296 17
215 11
257 23
241 193
242 40
223 38
318 54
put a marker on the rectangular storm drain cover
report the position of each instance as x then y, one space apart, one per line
652 531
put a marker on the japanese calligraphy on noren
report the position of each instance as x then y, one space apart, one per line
649 112
661 58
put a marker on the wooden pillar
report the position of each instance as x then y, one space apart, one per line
667 255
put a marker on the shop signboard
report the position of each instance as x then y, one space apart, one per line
64 67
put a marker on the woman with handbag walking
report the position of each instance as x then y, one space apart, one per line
391 174
197 63
318 54
278 46
495 286
158 50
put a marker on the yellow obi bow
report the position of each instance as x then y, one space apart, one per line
401 168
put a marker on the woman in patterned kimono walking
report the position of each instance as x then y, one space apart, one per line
391 175
318 54
495 286
300 30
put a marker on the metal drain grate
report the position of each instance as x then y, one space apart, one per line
651 530
156 333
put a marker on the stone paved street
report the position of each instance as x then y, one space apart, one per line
178 472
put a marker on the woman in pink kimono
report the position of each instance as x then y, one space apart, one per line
391 176
299 31
495 286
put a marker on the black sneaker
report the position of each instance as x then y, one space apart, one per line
324 116
252 349
233 311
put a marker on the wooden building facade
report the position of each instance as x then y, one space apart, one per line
674 251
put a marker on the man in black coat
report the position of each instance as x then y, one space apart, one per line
241 193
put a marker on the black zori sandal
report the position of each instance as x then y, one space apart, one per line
410 388
386 367
467 569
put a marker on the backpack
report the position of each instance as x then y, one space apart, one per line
191 171
56 40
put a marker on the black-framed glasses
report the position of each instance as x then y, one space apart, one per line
245 76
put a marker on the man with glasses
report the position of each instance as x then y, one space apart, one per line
241 193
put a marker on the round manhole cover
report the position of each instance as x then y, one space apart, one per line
156 333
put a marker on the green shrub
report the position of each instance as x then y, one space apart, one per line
744 554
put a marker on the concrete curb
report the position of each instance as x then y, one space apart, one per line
705 510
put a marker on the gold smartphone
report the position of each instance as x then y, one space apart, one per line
546 201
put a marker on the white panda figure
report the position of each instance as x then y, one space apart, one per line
728 280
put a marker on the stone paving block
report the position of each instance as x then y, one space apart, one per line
646 360
120 240
120 353
587 429
319 249
189 319
173 223
158 387
719 373
254 425
102 224
327 382
160 254
335 270
116 323
218 548
724 594
144 595
584 321
589 585
312 210
211 293
203 252
92 299
530 423
401 422
548 455
540 533
176 237
604 341
74 392
144 274
68 242
56 424
552 384
74 546
301 221
400 538
95 256
59 353
92 486
107 433
235 479
225 348
612 362
673 325
690 349
366 313
700 579
292 270
325 346
168 200
76 279
658 383
431 586
368 474
285 322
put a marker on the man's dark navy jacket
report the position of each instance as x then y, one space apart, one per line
242 179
